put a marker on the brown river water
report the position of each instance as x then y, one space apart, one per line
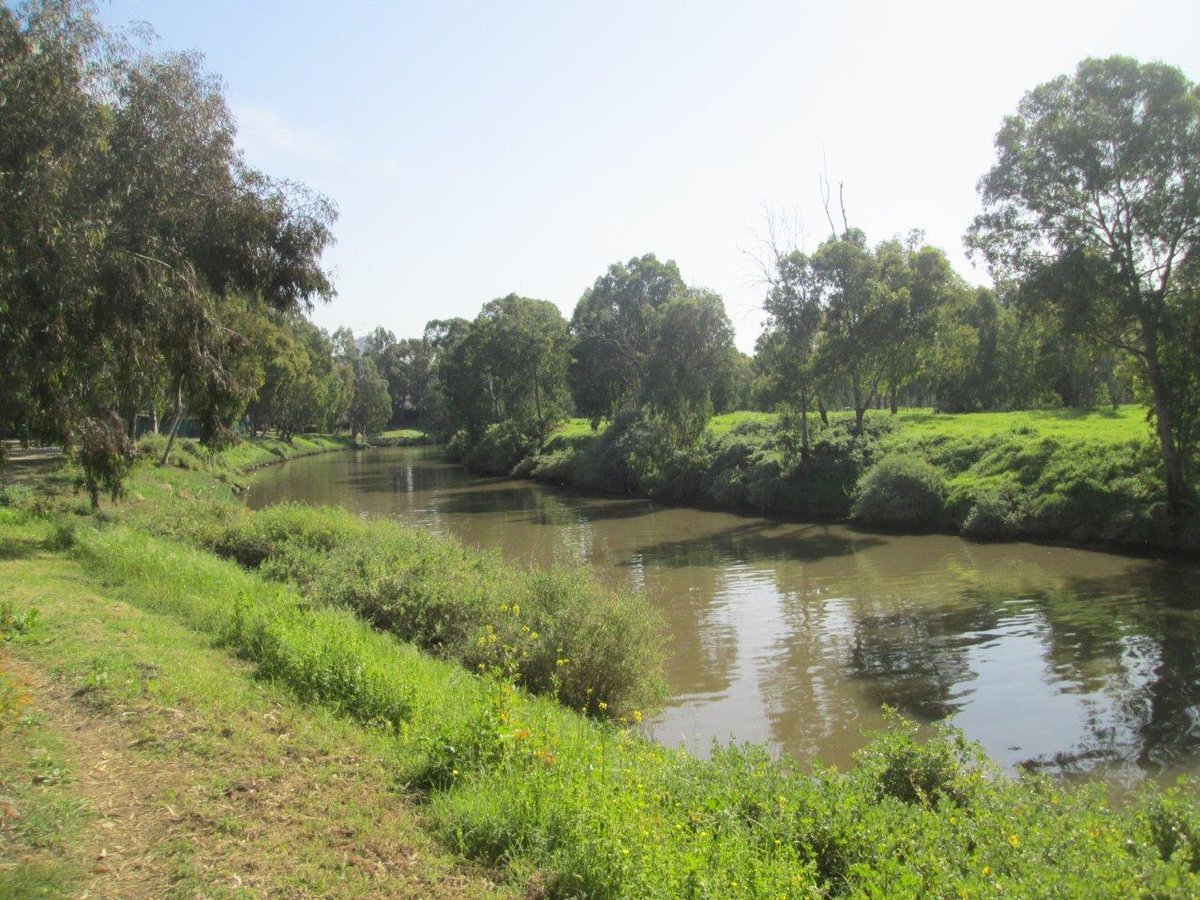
1068 661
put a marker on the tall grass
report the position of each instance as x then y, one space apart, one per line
585 808
556 632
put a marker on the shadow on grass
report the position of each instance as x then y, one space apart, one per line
20 548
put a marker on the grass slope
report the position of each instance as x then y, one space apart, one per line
1090 477
138 760
561 804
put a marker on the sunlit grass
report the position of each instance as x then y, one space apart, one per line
582 808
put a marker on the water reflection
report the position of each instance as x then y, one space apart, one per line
796 634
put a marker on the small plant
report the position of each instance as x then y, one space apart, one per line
14 624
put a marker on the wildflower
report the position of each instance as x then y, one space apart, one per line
637 716
603 706
1014 841
516 609
521 734
987 870
561 662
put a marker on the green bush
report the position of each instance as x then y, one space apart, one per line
498 451
556 632
900 491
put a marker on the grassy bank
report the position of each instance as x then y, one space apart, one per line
139 758
556 803
1084 477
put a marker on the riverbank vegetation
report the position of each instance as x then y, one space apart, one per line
150 280
545 797
1083 477
183 305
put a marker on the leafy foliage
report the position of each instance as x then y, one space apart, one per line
900 491
1091 203
134 240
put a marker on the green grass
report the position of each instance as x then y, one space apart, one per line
564 805
561 804
1090 477
1126 423
719 426
215 773
401 436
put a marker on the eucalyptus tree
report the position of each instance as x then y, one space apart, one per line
408 368
135 242
614 325
857 298
793 306
645 340
692 355
521 352
1094 202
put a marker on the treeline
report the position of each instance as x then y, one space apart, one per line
140 257
1091 227
146 270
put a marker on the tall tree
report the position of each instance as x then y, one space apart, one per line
644 339
614 326
1094 200
135 240
858 297
521 352
793 304
692 354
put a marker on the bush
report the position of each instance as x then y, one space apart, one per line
556 632
900 491
502 446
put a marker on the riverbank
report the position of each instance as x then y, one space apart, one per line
1085 478
554 802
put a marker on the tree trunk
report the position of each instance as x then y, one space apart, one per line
174 422
860 409
892 392
804 424
1164 423
821 409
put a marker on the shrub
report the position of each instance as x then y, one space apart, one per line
900 491
557 632
502 446
945 767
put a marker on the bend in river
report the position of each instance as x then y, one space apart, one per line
1069 661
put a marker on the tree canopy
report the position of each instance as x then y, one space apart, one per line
133 237
643 338
1094 203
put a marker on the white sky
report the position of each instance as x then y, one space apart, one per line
478 149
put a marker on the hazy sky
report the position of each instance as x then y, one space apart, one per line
474 150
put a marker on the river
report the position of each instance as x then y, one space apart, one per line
1068 661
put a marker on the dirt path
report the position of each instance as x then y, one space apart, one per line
152 765
159 829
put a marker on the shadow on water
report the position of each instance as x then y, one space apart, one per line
541 505
1124 653
753 541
